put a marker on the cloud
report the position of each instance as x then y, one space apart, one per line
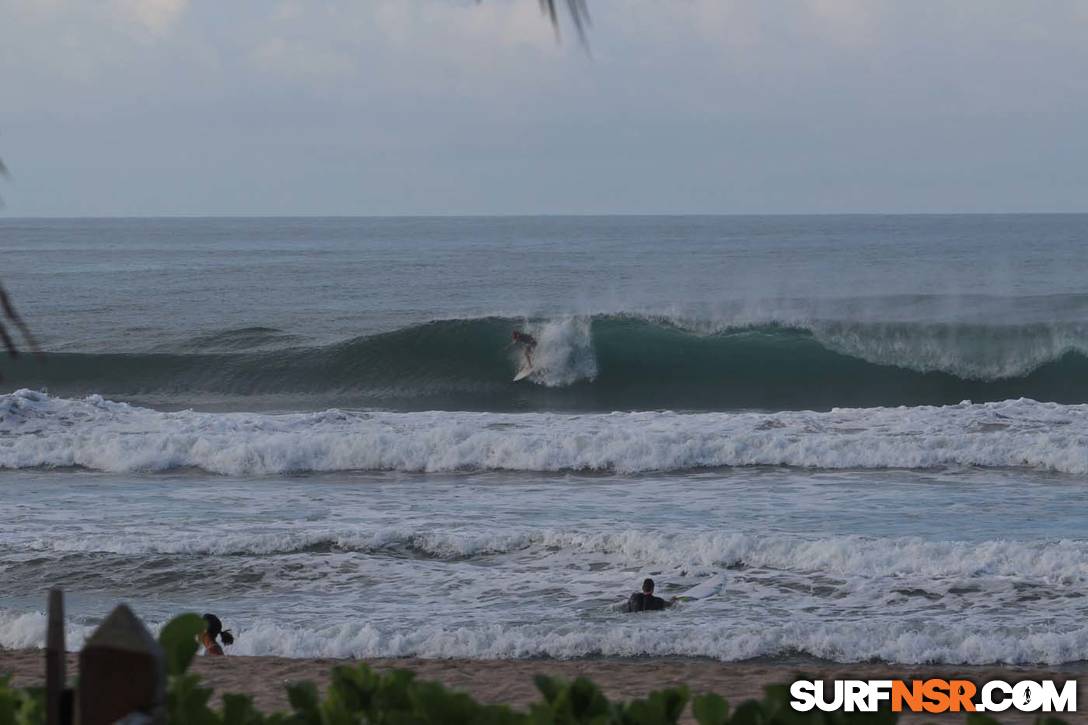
408 40
458 105
289 59
155 16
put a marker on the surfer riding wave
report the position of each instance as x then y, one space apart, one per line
528 343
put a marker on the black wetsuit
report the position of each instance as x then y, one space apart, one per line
642 602
524 339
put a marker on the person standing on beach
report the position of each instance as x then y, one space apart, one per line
213 630
645 601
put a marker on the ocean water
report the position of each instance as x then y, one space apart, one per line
875 429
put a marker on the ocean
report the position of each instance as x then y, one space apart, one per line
874 428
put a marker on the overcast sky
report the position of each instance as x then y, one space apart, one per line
194 107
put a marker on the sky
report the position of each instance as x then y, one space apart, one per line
394 107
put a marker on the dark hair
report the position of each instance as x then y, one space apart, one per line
648 585
215 629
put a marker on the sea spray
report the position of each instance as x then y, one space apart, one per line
564 353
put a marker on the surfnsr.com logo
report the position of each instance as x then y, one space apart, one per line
933 696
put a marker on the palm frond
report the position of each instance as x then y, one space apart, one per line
577 9
9 312
13 317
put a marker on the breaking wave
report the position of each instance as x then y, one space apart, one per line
37 430
1061 562
608 362
933 599
905 642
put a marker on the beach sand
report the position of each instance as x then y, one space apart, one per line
511 681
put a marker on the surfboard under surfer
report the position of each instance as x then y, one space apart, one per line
528 343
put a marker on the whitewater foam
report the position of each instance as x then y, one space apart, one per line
1062 562
42 431
907 642
901 566
837 641
564 354
970 352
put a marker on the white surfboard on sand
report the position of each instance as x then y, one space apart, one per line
523 373
709 588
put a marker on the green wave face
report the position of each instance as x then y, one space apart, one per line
598 363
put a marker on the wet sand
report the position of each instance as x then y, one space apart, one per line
511 681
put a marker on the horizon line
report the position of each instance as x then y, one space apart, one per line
530 215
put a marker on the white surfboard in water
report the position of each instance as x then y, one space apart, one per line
523 373
709 588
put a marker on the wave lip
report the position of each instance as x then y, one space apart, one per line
37 430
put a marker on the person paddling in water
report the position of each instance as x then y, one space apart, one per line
645 601
528 342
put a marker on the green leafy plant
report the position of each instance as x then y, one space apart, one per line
710 709
21 706
179 642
